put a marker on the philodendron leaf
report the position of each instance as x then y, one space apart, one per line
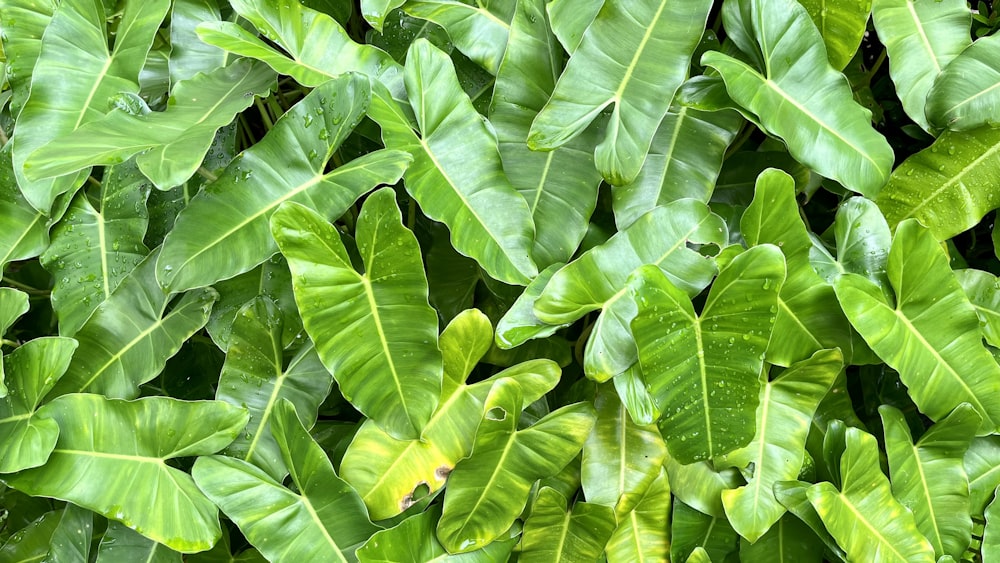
224 230
842 24
121 543
948 186
74 77
188 54
788 541
794 495
132 440
318 47
649 45
692 532
921 38
965 92
27 439
928 477
863 516
388 472
273 280
983 290
863 240
991 534
644 531
487 491
777 451
70 542
24 230
709 397
584 528
170 144
519 324
597 279
801 99
560 202
982 466
374 331
24 24
479 30
620 458
571 18
94 249
328 517
129 338
31 543
375 11
256 377
931 334
462 193
13 304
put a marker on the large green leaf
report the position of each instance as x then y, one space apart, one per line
13 304
318 47
129 338
94 249
27 439
642 535
801 99
794 495
328 517
374 331
121 543
519 324
24 230
928 477
571 18
31 543
982 466
581 531
983 290
388 472
620 458
478 29
863 241
684 161
921 38
74 77
224 230
692 531
375 11
965 94
948 186
991 538
133 440
842 24
560 186
70 542
863 516
788 541
597 280
24 21
777 451
255 376
170 144
633 56
809 318
189 55
931 334
709 397
487 491
465 194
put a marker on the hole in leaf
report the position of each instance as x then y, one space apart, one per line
496 413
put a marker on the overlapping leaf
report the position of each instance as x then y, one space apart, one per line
13 304
224 230
189 55
965 92
121 543
583 529
643 534
842 25
650 46
479 30
374 331
132 440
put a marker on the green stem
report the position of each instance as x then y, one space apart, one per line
875 66
11 343
207 174
25 288
745 134
264 114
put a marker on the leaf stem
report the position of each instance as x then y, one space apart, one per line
25 288
748 130
875 66
264 113
11 343
207 174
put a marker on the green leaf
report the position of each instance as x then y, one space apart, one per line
318 47
842 25
13 304
24 23
71 539
643 533
32 542
982 465
948 186
24 231
478 30
129 338
691 531
413 541
329 519
388 472
255 377
921 38
776 453
132 440
931 336
794 496
928 477
375 331
809 318
620 458
27 438
224 230
708 399
487 491
802 100
788 541
462 193
560 186
189 55
571 18
991 540
649 46
597 280
700 485
963 95
863 240
121 543
863 516
582 530
74 77
519 324
983 290
94 249
375 11
684 161
170 144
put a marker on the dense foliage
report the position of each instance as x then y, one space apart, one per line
564 280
